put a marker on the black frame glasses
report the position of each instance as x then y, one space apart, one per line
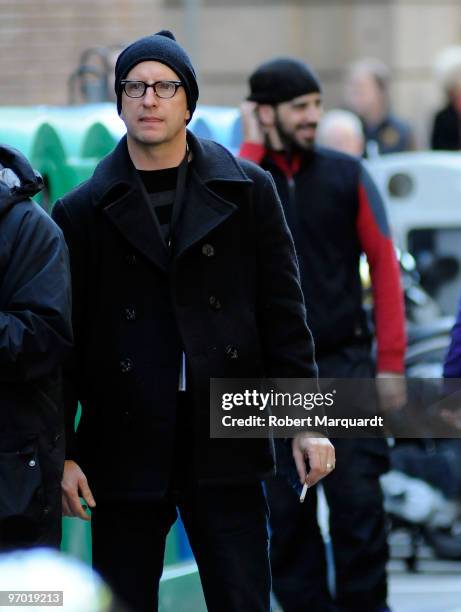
159 93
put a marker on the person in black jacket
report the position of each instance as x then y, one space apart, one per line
183 270
446 128
335 213
35 333
446 125
368 95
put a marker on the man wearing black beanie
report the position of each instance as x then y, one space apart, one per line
335 213
161 47
168 241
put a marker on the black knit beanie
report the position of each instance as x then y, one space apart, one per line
160 47
282 79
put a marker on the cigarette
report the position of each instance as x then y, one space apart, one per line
302 497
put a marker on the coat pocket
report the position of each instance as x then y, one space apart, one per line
20 481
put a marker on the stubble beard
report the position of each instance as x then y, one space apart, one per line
290 143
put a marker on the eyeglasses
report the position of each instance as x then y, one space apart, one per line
162 89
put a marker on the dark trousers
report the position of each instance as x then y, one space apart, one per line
227 530
357 521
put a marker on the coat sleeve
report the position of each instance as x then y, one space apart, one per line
286 338
71 395
35 317
287 342
376 242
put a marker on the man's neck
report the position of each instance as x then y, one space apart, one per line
157 157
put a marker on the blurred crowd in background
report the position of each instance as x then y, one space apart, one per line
366 124
363 123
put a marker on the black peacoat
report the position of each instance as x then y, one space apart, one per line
226 292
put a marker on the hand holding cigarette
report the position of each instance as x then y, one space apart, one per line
320 454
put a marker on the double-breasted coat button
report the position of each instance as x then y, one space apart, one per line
214 302
126 416
32 463
126 365
231 351
208 250
131 259
130 313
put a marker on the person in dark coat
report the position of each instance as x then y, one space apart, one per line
35 333
446 128
368 95
335 213
183 270
446 124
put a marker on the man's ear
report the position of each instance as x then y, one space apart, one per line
187 116
266 114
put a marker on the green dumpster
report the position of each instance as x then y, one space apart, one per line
19 127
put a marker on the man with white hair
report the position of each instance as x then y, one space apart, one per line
341 130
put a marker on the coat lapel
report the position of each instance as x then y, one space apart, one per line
203 209
131 215
118 190
201 212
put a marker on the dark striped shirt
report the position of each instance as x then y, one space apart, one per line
161 187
